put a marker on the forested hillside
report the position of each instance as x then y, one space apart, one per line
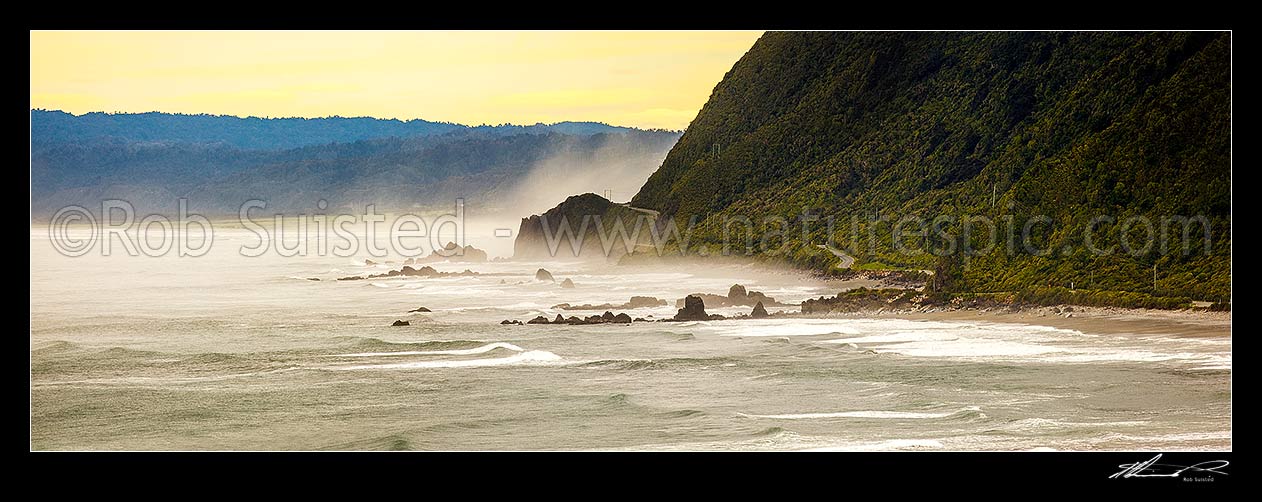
870 128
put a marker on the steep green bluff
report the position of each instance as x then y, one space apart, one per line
872 127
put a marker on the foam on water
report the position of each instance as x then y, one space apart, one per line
864 414
455 352
528 358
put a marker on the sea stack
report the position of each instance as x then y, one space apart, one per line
544 275
759 312
567 284
694 310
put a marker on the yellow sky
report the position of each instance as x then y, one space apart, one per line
643 79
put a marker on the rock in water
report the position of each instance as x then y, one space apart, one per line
401 323
607 316
737 293
419 309
759 311
694 310
538 320
643 301
622 318
369 263
567 284
558 320
544 275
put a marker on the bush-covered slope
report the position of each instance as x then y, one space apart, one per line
870 128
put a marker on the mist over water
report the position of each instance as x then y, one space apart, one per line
228 352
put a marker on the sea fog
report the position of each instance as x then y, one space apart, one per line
227 352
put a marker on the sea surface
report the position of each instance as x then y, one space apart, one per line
225 352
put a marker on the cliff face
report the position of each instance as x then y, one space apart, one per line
586 227
884 125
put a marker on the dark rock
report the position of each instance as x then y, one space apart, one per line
350 278
608 316
759 311
635 303
594 319
716 317
544 275
401 323
622 318
737 296
532 239
558 320
694 310
643 301
641 319
538 320
574 320
755 297
419 309
511 321
453 252
567 284
313 278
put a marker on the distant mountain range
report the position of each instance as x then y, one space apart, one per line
219 162
255 133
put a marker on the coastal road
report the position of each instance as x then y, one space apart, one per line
847 261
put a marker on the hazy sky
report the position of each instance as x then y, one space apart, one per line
644 79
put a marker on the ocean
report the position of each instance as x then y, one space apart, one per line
226 352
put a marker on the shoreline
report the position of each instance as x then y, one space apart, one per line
1106 320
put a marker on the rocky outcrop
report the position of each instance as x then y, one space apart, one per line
737 296
419 309
532 238
567 284
643 301
511 321
544 275
635 303
606 318
454 253
408 271
693 310
759 311
401 323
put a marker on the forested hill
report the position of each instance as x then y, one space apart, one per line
53 126
887 125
